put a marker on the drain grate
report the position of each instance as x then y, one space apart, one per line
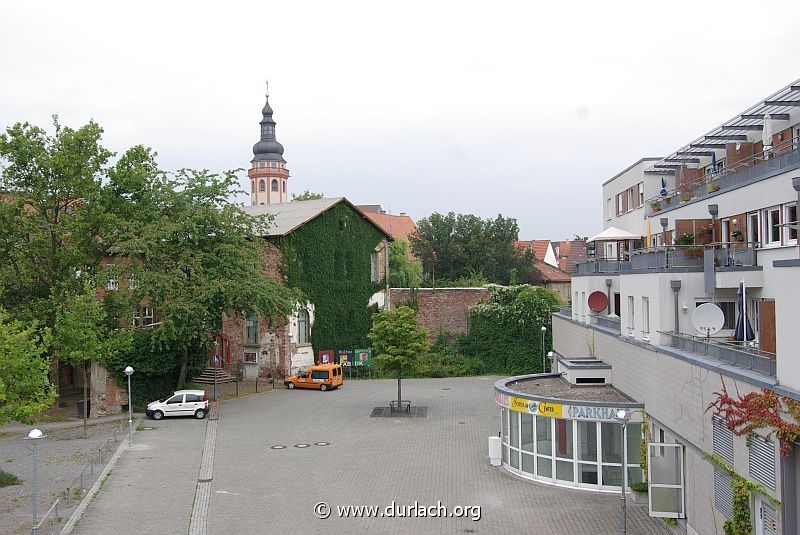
278 447
322 443
302 445
386 412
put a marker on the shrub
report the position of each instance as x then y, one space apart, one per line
639 486
6 479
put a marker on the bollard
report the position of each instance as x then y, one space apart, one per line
273 382
81 477
256 383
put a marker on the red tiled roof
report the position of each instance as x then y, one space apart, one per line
539 247
570 253
399 226
549 273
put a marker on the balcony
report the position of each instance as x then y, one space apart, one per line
733 353
780 159
728 255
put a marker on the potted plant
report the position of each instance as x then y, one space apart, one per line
694 250
655 205
639 492
737 235
712 187
685 239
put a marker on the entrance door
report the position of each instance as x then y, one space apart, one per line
666 476
766 517
616 305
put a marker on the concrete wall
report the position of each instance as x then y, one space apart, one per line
632 220
676 394
441 310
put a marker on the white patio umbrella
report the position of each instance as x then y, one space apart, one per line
766 134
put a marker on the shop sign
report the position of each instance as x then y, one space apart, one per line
363 357
542 408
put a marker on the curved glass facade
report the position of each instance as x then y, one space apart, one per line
567 442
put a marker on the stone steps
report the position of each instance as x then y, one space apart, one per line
207 377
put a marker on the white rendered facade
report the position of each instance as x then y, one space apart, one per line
646 334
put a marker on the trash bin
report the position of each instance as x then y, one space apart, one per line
495 449
79 405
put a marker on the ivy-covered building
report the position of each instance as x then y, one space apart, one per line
337 257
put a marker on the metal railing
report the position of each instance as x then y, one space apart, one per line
76 489
609 322
785 155
735 353
726 254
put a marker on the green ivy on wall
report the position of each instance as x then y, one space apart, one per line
329 260
505 332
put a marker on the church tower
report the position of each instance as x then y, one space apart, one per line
268 173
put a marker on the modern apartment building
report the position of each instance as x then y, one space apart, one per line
713 222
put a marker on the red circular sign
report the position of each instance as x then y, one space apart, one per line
598 301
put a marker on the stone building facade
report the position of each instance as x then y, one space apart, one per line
441 310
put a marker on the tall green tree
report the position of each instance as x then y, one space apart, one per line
25 389
194 256
404 271
307 195
455 246
398 343
84 334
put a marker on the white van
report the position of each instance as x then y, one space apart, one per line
180 403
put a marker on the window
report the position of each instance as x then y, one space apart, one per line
645 315
791 217
252 186
641 194
251 337
193 398
630 314
143 317
374 266
629 198
773 225
608 208
319 374
274 185
619 204
283 185
752 227
302 327
175 399
728 310
262 186
111 284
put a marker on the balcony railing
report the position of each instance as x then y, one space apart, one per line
726 254
609 322
782 157
736 354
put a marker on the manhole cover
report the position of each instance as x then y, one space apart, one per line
322 443
147 429
445 389
302 445
278 447
386 412
462 423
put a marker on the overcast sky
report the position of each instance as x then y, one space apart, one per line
518 108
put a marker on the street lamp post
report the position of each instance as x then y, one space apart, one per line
33 438
216 363
550 358
544 366
623 417
129 372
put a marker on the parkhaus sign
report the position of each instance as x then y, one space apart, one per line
556 410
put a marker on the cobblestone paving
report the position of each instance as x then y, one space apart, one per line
374 461
61 458
152 487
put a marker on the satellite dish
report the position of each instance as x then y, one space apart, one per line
598 301
708 319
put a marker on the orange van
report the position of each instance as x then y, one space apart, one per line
322 376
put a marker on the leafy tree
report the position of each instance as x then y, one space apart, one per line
404 272
194 257
25 389
50 224
398 343
307 195
453 246
83 335
505 332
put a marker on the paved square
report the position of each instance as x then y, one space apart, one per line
375 461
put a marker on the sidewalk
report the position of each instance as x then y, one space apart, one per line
24 428
152 487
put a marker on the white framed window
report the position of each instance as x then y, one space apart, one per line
303 331
641 194
646 315
665 473
752 228
143 317
251 330
111 284
630 315
630 199
772 226
608 209
790 216
619 204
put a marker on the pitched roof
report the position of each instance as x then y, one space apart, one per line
289 216
398 226
570 252
539 247
550 273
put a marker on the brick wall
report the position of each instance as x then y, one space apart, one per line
105 396
443 310
732 155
